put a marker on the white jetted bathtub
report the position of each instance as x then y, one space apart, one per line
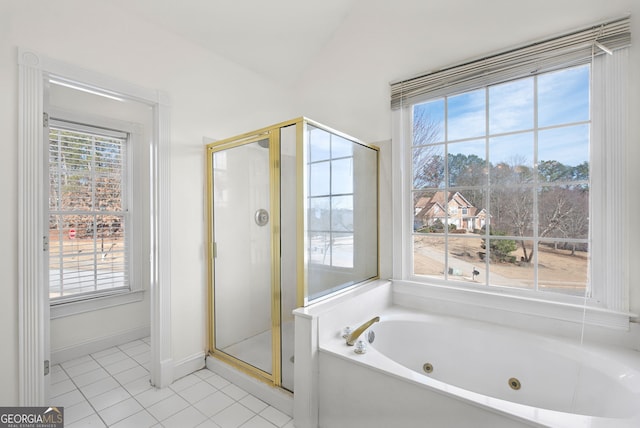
428 370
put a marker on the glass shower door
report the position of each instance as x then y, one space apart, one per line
242 265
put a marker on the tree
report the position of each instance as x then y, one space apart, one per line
428 160
85 175
468 171
512 199
499 248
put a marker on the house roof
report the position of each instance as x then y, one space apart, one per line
426 204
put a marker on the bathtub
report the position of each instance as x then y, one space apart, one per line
430 370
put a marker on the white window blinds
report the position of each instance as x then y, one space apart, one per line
546 55
87 211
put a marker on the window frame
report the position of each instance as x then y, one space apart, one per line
457 210
76 304
330 195
608 305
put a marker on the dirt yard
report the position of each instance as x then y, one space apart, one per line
558 269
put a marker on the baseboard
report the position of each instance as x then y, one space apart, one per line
98 344
188 365
276 397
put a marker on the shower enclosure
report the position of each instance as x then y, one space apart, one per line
293 218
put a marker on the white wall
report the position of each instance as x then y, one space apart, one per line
209 96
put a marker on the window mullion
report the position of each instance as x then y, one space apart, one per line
446 188
536 219
94 185
487 202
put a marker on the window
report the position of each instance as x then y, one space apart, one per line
97 207
518 151
526 149
88 211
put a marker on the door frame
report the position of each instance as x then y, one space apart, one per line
272 134
33 298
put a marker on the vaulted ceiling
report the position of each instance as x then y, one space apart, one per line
277 39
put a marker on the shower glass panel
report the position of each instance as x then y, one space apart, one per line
342 212
243 260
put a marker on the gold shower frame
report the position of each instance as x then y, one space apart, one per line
273 133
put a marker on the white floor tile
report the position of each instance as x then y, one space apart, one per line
120 411
76 361
139 420
82 368
131 344
58 375
258 422
140 348
217 381
142 358
214 403
234 392
99 387
167 407
138 386
114 357
77 412
253 403
233 416
90 377
152 396
108 351
68 399
187 418
109 398
204 373
131 374
197 392
275 416
62 388
185 382
121 366
208 424
88 422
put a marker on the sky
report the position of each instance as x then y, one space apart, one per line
562 98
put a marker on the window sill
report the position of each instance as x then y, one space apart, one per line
502 308
61 310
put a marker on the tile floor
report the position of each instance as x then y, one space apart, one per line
111 389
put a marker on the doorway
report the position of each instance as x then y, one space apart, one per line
33 320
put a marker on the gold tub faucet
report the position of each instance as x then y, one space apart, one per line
351 339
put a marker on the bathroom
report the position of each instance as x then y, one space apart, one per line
238 88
